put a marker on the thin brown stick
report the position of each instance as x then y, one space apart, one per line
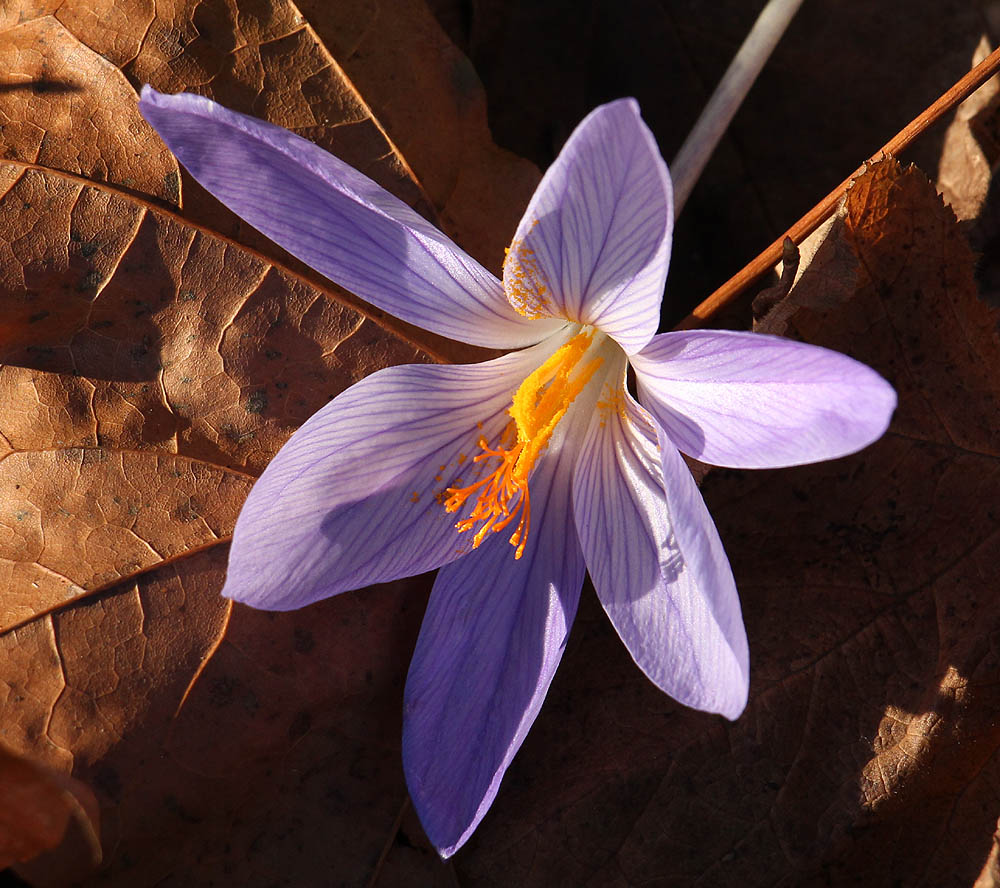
819 213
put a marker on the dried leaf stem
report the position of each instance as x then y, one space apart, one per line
819 213
728 96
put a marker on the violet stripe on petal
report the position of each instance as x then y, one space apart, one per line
598 228
491 640
338 221
657 563
752 401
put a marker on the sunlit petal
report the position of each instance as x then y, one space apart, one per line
353 498
752 401
594 242
657 562
338 221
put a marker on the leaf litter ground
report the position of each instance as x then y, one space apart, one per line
154 359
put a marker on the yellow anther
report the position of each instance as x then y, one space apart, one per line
538 405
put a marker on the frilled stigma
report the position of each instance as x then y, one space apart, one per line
539 404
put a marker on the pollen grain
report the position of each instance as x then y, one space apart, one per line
523 281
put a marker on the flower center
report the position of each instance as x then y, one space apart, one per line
539 403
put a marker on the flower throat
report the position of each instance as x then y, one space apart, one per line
539 403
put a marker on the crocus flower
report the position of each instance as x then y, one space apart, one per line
516 475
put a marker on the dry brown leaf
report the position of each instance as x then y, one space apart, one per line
67 108
36 807
150 370
264 58
907 240
870 751
968 154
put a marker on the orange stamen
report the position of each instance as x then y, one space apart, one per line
538 405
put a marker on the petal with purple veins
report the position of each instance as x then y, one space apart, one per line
752 401
338 221
657 562
354 496
594 243
491 640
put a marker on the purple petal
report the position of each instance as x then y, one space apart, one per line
752 401
352 497
338 221
657 562
594 242
491 640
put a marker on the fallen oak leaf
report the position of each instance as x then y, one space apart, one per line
869 751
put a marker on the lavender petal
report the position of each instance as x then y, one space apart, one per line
353 498
338 221
657 563
594 243
752 401
491 640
